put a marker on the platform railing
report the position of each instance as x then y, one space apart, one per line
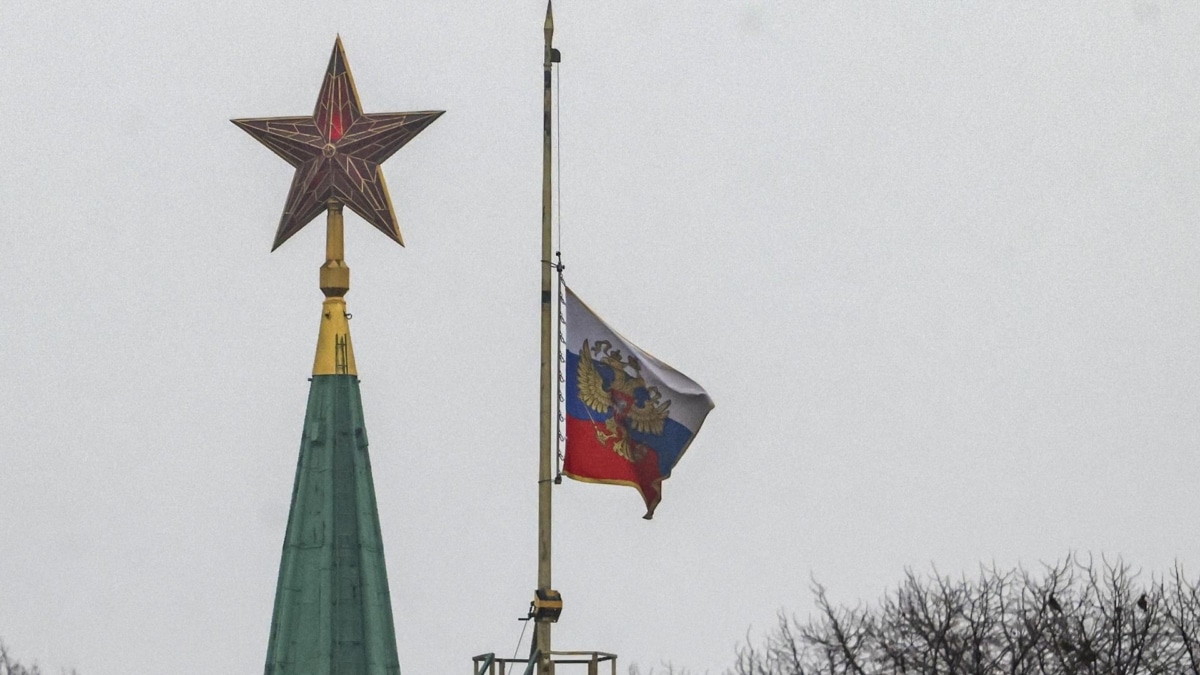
490 664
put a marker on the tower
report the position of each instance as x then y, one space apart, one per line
333 612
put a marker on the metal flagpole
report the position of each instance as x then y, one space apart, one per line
545 470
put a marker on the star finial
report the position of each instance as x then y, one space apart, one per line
338 152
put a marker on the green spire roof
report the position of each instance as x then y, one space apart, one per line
333 613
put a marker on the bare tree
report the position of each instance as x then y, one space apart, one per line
10 666
1075 617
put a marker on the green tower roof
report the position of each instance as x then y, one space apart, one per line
333 613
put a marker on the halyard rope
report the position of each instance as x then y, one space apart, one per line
562 365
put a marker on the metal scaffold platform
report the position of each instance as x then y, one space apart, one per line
489 664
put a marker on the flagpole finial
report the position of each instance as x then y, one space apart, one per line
549 20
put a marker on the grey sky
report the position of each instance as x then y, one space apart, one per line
937 263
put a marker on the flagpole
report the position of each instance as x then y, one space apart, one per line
545 469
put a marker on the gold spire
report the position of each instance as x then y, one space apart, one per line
335 354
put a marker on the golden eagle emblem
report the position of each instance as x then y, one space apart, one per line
634 406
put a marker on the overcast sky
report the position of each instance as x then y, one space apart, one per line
938 264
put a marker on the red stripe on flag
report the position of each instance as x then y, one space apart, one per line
588 459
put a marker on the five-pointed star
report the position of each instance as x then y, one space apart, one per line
337 153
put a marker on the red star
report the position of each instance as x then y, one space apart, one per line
337 153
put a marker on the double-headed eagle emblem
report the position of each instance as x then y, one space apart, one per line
634 406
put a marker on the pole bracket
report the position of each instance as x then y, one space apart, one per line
546 606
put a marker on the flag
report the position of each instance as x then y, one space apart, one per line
630 417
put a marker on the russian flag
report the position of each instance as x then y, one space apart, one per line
630 417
